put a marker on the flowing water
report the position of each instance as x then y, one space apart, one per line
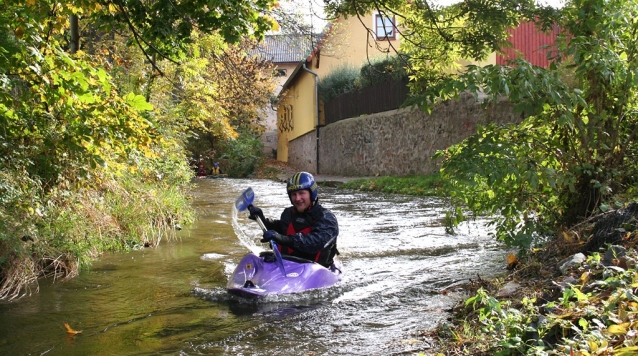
171 300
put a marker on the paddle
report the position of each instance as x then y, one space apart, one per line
241 203
246 198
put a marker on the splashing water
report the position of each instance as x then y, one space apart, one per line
244 238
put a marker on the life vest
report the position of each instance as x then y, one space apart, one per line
201 171
215 171
302 223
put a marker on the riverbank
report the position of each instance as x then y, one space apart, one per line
280 171
574 295
550 304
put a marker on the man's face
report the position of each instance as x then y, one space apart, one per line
300 199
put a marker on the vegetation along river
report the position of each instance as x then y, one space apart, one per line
171 300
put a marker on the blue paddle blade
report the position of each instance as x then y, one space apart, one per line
280 260
246 198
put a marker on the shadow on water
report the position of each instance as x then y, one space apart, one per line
172 299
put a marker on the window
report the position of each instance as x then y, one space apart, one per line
384 27
285 122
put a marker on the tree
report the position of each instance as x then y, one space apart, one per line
435 37
79 143
571 157
221 92
164 27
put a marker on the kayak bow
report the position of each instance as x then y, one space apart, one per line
257 276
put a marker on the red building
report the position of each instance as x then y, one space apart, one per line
530 43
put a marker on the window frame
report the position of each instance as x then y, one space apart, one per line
383 17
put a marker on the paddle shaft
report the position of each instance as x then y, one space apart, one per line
261 224
243 201
273 244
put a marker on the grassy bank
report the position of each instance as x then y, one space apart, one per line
430 185
57 232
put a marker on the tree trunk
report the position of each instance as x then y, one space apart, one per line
74 42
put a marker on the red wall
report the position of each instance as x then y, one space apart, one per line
528 42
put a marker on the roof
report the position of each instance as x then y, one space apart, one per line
285 48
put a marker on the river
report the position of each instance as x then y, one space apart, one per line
171 300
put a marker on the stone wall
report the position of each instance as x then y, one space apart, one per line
395 143
302 152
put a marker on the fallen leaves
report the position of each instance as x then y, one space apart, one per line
512 260
69 330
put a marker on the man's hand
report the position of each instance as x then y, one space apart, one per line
271 235
255 212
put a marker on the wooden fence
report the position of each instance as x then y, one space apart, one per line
381 97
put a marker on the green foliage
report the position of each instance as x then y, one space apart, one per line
337 82
167 26
430 185
382 70
91 160
571 156
599 321
244 155
490 173
504 324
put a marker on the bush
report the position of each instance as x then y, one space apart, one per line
347 79
380 71
340 81
244 155
55 233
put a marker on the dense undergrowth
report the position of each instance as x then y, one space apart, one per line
590 310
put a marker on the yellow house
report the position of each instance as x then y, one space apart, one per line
299 114
347 42
284 52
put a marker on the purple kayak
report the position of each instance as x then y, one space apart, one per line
257 276
270 273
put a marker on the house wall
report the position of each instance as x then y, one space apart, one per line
491 59
303 110
402 142
346 45
349 44
530 43
269 116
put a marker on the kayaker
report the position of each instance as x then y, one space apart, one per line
306 229
201 171
216 170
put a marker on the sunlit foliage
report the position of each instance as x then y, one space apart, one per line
92 140
572 156
596 315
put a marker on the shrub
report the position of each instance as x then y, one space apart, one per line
340 81
380 71
244 155
347 78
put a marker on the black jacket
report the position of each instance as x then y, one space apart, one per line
314 233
